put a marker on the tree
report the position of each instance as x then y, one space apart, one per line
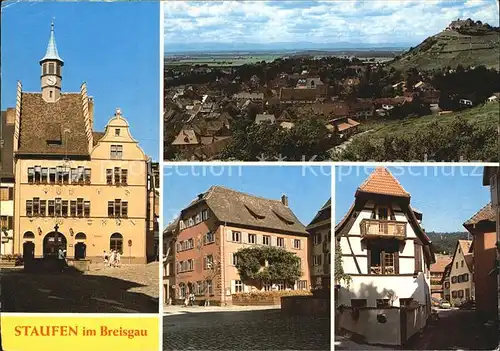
268 264
339 274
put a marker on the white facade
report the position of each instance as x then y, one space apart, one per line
388 299
7 211
320 255
404 285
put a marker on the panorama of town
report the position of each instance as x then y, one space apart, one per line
435 101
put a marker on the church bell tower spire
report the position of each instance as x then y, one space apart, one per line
51 66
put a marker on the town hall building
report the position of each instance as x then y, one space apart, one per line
76 188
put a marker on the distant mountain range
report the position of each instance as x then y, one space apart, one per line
467 43
180 48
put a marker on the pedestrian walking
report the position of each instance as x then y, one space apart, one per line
186 301
65 255
118 259
106 258
60 259
112 259
191 298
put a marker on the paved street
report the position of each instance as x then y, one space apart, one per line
244 329
128 289
455 330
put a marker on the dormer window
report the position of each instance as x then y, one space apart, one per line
117 132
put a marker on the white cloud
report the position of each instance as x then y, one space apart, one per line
357 21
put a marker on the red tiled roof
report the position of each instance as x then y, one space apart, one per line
465 246
441 262
487 213
381 181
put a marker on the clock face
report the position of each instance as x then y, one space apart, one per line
51 81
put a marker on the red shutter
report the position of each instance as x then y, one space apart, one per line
418 257
396 262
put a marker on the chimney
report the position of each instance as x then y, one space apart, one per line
284 200
10 116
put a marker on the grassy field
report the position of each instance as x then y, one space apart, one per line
484 115
220 61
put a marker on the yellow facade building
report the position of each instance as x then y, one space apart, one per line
75 188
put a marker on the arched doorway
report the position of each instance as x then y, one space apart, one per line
80 246
52 243
116 242
28 246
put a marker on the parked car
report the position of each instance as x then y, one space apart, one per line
444 304
469 304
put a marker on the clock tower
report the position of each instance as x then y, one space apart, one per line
51 66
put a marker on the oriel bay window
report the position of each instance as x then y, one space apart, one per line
383 257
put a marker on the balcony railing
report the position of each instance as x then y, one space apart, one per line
378 270
372 228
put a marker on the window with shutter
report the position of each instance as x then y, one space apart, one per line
418 257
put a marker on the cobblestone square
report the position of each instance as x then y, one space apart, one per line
244 329
127 289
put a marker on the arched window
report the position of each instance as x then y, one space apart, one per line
116 242
80 236
29 235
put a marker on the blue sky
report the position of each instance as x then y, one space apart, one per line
307 188
370 22
114 47
447 196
